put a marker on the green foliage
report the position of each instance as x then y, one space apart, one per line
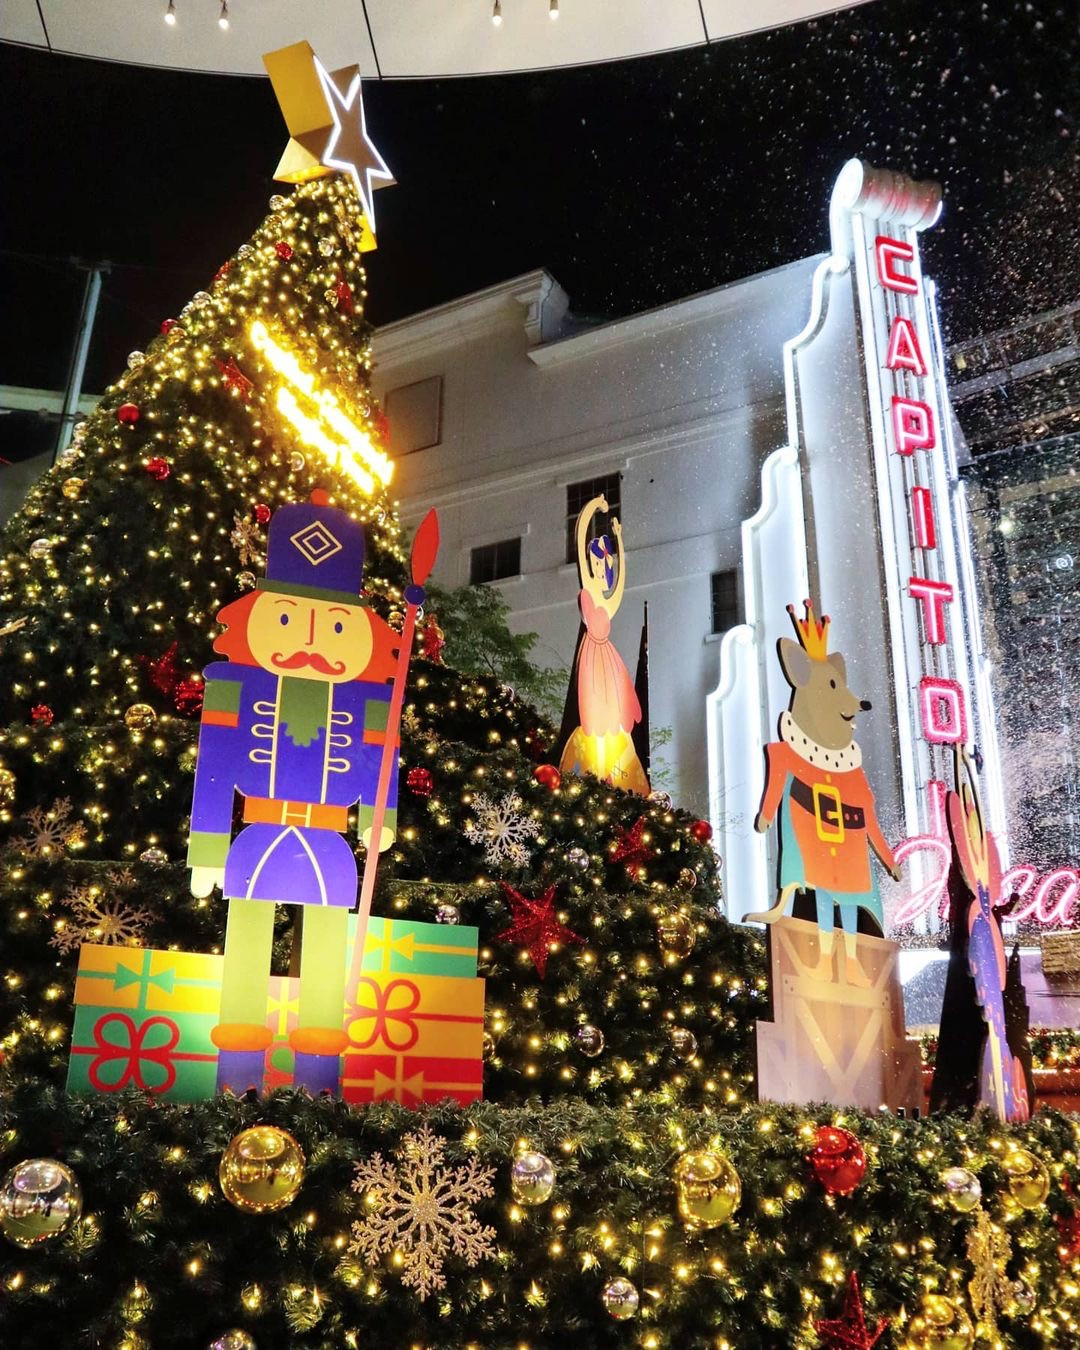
479 642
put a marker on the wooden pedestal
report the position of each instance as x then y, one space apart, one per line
830 1041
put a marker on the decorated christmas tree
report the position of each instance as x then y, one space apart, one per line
618 1184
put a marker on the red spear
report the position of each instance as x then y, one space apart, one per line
425 547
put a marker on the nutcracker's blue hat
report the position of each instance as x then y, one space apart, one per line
314 549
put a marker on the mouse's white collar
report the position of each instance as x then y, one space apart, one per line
837 761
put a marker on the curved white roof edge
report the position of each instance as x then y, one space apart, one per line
391 39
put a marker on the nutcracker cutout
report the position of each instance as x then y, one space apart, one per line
297 720
816 788
607 704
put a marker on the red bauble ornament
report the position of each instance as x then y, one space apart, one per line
158 468
41 715
547 775
344 293
420 782
188 697
838 1159
283 250
167 325
701 830
262 513
223 270
127 414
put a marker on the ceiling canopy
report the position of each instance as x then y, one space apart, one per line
389 38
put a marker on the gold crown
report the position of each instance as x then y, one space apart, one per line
813 633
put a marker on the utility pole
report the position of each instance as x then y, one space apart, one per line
87 314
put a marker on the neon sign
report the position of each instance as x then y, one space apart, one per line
323 425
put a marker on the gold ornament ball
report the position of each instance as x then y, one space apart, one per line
687 879
962 1188
40 1198
489 1047
683 1042
676 934
261 1170
40 548
246 580
73 487
709 1189
7 787
233 1340
941 1324
589 1040
620 1298
139 716
68 458
1029 1181
532 1178
297 461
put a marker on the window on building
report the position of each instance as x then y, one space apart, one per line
414 412
492 562
577 494
725 601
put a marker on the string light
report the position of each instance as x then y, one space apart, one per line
170 14
496 13
223 18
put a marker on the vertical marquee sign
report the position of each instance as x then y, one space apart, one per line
886 539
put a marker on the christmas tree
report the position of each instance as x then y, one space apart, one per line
618 1184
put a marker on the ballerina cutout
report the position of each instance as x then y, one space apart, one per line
608 708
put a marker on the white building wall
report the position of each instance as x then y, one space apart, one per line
685 402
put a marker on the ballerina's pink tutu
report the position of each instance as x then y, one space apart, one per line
607 701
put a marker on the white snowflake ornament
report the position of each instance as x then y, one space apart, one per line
421 1207
502 829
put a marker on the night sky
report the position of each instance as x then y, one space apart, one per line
634 183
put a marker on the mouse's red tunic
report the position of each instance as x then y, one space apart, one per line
828 823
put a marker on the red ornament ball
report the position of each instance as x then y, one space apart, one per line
127 414
838 1159
283 250
167 325
188 697
262 513
701 830
41 715
547 775
158 468
420 782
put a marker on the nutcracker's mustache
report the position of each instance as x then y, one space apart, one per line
312 659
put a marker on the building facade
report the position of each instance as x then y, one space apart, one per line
507 414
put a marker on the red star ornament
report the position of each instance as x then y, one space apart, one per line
433 641
850 1331
630 847
161 670
535 925
233 377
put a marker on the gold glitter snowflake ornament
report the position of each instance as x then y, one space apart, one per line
421 1208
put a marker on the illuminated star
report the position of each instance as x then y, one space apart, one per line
349 148
850 1332
535 925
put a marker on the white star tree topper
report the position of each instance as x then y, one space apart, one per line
349 148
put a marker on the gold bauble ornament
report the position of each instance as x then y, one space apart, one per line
73 487
532 1178
675 933
40 1198
962 1188
233 1340
940 1324
261 1170
620 1298
1029 1181
683 1042
709 1189
139 716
